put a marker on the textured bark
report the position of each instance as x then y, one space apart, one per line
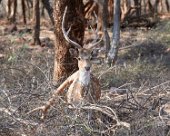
29 5
138 7
112 55
110 10
36 20
150 7
156 6
12 11
9 8
105 25
100 16
49 9
167 5
64 64
23 11
13 18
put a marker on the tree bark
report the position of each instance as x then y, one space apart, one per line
23 11
110 8
156 6
9 8
150 7
105 25
49 9
12 11
29 5
100 15
36 23
64 64
167 5
112 55
13 19
138 7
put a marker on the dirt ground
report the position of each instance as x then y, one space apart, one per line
135 91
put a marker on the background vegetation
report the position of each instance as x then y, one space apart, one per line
136 88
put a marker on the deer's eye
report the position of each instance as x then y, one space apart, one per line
91 58
79 58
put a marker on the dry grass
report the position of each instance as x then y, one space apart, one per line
135 92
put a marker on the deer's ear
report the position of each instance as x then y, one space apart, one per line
94 53
73 52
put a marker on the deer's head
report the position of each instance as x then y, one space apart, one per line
83 55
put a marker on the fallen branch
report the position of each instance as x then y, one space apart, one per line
25 122
157 86
107 111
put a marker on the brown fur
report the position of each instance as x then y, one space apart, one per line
77 93
82 86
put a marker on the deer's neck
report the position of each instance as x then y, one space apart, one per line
84 77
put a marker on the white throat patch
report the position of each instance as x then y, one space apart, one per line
84 77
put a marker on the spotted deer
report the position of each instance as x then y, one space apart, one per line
82 86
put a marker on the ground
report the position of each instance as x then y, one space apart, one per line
136 89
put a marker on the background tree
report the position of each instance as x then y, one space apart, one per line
48 7
64 64
105 26
138 7
36 23
24 11
29 4
12 10
112 55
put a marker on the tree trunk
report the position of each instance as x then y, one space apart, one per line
150 7
164 8
23 11
64 64
9 8
160 7
110 8
36 23
12 11
29 6
105 25
112 55
43 11
100 15
167 5
138 7
156 6
15 11
49 9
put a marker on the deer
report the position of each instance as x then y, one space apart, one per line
83 86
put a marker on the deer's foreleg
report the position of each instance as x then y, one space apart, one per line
59 90
51 101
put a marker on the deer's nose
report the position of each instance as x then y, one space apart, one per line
87 68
